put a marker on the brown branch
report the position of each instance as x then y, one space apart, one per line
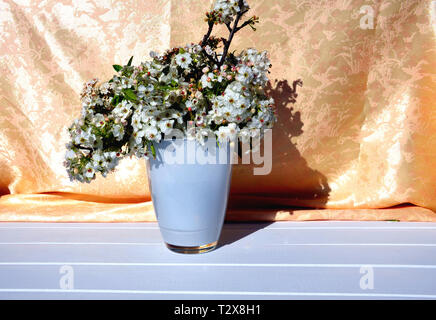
204 42
246 23
82 148
207 35
229 40
232 31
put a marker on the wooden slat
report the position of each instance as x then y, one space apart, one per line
271 234
284 260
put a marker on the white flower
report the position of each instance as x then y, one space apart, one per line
96 142
245 74
82 138
191 133
231 98
165 126
222 134
98 161
138 135
123 110
151 133
206 80
177 115
111 160
229 132
99 120
70 155
89 171
183 60
199 95
233 130
244 134
228 9
105 87
190 105
126 83
202 134
145 90
118 132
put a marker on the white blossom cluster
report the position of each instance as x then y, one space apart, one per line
227 9
182 89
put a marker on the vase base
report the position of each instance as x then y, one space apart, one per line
192 250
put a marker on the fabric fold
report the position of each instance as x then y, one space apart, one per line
361 134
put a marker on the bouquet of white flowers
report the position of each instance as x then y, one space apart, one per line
217 92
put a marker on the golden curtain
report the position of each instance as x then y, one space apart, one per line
361 135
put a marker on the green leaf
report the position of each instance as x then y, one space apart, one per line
130 61
130 95
153 150
115 100
181 50
117 67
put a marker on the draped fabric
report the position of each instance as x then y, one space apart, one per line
361 134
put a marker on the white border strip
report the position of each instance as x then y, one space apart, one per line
248 226
245 293
276 244
357 244
273 265
53 226
86 243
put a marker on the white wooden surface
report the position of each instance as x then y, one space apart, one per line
282 260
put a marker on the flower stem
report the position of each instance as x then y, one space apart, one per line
232 31
207 35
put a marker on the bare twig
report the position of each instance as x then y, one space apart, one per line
207 35
82 147
204 42
232 31
246 23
